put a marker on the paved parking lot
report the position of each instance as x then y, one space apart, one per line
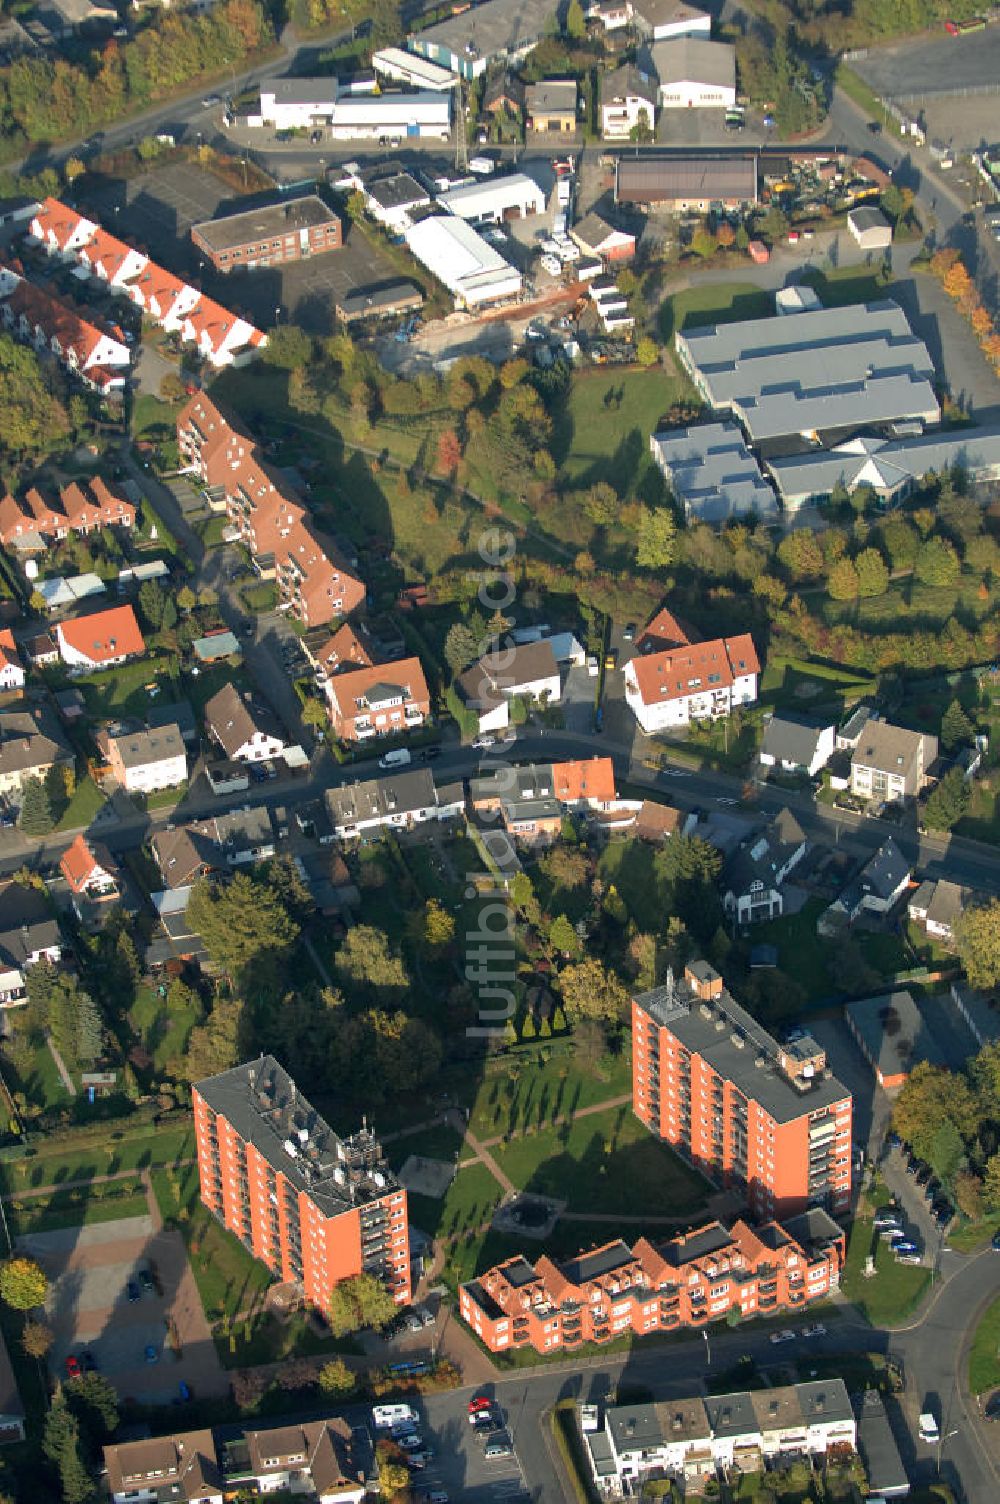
458 1466
88 1308
937 64
158 209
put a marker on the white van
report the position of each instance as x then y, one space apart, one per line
398 759
384 1417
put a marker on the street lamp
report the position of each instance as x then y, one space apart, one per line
708 1347
946 1437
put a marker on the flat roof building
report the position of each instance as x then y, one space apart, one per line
708 1079
315 1208
818 372
513 196
712 473
268 236
379 302
687 182
494 32
887 1477
893 1035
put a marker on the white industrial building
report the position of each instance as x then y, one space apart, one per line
891 467
472 271
407 68
712 473
695 74
306 103
870 228
290 104
391 117
660 19
512 197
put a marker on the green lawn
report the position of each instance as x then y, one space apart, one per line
855 88
229 1279
439 1142
266 1339
984 1355
795 684
909 601
631 867
83 807
160 1146
841 285
535 1082
120 691
164 1033
150 413
892 1296
812 960
76 1208
972 1236
708 303
602 432
41 1082
606 1163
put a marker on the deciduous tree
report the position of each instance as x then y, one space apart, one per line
23 1284
590 990
359 1302
977 939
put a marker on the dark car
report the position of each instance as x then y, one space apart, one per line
932 1188
88 1362
429 753
132 1292
874 127
995 1245
923 1174
991 1410
146 1281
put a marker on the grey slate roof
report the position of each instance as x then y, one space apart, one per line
137 749
30 739
827 369
493 29
627 82
555 96
885 871
677 1008
680 60
892 749
712 472
895 1033
886 1474
232 719
266 1109
26 923
397 191
379 798
761 858
888 465
788 738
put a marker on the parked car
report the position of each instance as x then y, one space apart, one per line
816 1330
929 1429
904 1245
502 1447
995 1243
411 1442
908 1258
785 1335
73 1366
132 1292
991 1410
146 1282
481 743
480 1402
151 1353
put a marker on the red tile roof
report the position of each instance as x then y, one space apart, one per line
592 778
79 860
105 636
9 656
701 667
663 631
344 649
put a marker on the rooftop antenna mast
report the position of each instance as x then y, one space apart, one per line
461 138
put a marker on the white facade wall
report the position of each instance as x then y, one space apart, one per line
11 677
690 94
425 116
619 120
691 26
164 773
294 115
666 714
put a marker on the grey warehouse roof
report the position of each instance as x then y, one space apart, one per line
681 60
651 180
488 30
712 472
791 739
826 369
895 1032
888 465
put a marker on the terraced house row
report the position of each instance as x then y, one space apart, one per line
313 582
223 338
38 520
706 1275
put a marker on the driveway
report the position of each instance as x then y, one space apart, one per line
578 700
88 1308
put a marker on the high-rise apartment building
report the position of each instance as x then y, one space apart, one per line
314 1207
714 1084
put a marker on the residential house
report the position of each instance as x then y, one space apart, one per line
596 237
699 681
876 889
30 744
90 870
504 95
849 734
685 1281
937 906
401 800
149 759
29 933
536 822
890 763
691 1440
585 784
610 15
103 640
11 667
242 836
658 822
378 700
182 1466
41 650
528 670
793 744
551 107
245 729
54 327
314 584
183 853
349 647
322 1458
755 873
628 103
